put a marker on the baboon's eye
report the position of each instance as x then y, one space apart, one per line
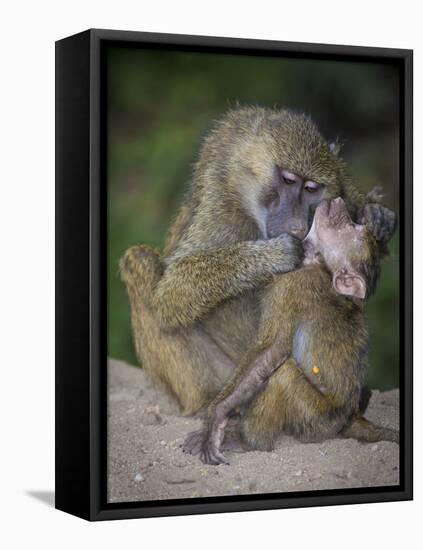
289 178
311 186
289 181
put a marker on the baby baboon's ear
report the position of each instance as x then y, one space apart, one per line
349 282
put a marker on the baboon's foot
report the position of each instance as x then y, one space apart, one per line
140 266
210 452
387 434
193 442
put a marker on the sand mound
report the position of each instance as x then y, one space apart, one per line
146 463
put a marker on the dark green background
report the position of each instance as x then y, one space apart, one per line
161 103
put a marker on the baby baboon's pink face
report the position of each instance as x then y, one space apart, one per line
339 243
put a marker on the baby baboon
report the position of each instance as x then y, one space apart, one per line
311 351
260 175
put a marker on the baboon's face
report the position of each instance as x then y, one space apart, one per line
342 245
290 203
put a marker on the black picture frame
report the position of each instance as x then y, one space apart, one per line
81 281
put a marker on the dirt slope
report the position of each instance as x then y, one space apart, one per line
146 463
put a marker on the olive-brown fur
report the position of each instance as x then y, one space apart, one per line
304 375
195 310
337 342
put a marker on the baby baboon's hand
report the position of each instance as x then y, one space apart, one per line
288 252
380 220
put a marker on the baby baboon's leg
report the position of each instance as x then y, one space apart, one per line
186 362
289 404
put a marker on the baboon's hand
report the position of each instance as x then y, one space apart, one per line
288 252
380 220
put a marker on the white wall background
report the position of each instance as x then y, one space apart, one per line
28 32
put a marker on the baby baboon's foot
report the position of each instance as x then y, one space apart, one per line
210 454
199 443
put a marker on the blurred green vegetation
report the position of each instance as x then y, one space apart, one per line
160 105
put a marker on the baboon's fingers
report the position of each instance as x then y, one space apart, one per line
380 221
375 195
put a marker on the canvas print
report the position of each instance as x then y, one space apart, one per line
253 274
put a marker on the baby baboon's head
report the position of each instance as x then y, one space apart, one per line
347 249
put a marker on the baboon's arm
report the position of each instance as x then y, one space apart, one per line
195 284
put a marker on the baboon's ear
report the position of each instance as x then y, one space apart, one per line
335 147
349 282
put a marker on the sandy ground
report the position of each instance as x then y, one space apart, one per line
145 461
